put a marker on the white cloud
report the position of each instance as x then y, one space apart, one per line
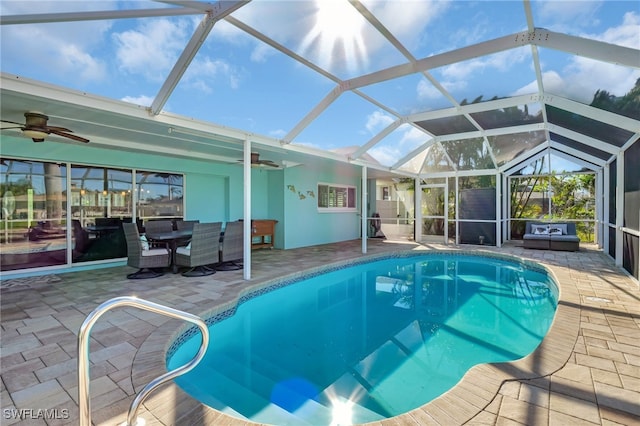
582 77
203 72
71 52
377 121
626 34
152 48
88 68
427 91
567 16
278 134
139 100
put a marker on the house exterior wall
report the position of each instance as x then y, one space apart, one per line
303 224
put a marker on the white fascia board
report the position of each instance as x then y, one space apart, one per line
593 113
587 140
589 48
39 89
45 18
80 99
576 156
512 166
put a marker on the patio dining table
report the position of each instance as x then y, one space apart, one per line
173 238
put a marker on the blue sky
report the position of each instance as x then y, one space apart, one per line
237 81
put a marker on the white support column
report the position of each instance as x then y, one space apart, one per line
457 201
598 231
605 209
363 209
619 207
248 232
498 212
417 231
506 206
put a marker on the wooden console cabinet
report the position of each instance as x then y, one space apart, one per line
263 232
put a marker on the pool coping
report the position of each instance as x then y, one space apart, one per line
469 397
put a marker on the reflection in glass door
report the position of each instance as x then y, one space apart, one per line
434 213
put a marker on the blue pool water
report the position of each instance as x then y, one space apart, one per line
367 342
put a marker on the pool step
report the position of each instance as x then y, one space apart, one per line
255 407
292 396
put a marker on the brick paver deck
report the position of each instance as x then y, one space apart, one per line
586 371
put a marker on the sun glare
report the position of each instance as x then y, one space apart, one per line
341 413
336 41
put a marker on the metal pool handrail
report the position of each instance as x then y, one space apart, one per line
84 397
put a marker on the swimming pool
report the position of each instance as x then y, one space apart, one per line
368 341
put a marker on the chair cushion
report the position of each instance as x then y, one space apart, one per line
184 250
155 252
144 242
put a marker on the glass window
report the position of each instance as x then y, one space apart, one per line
160 195
101 200
508 147
469 154
336 197
34 210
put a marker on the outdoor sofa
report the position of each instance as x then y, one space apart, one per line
551 236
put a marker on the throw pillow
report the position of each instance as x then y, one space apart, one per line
541 230
554 230
144 242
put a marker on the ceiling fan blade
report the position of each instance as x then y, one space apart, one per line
268 163
67 135
12 122
59 129
14 127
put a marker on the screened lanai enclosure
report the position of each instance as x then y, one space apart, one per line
452 122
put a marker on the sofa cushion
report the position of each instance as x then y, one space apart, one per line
568 238
536 236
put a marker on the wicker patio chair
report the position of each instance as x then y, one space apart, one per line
148 261
232 247
158 226
202 252
185 224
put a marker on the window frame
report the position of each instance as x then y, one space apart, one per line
351 201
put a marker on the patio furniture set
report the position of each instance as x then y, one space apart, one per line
203 248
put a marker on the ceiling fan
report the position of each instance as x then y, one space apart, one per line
36 128
256 161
